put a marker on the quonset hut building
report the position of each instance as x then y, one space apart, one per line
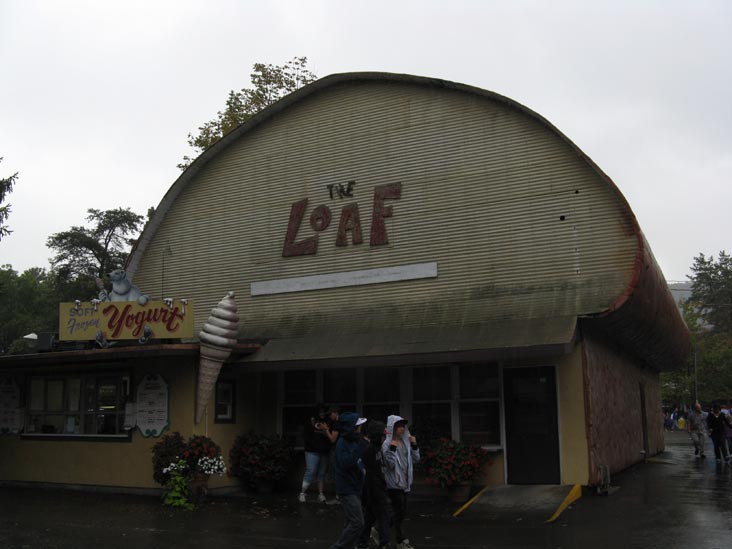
407 245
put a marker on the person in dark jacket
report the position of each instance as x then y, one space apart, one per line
349 476
716 424
375 500
320 435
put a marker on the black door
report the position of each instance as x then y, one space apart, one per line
644 420
532 432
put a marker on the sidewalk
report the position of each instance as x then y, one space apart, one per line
676 501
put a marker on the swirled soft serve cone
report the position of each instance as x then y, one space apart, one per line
218 338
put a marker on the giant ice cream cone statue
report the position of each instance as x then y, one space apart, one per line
218 338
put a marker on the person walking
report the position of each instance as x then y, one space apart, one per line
375 499
728 432
333 420
349 476
320 436
696 426
400 453
715 424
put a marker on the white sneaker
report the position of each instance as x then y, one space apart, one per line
405 545
321 498
301 497
374 535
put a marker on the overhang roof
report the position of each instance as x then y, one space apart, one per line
112 354
488 341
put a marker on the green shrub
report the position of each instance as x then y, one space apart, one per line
177 490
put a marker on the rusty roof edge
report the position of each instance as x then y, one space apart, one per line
645 317
133 260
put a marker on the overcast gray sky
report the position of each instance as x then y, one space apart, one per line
97 98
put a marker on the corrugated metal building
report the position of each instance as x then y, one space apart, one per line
408 245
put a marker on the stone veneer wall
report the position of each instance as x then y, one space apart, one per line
613 381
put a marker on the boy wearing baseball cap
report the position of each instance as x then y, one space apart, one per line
349 474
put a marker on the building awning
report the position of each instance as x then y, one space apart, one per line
112 355
487 341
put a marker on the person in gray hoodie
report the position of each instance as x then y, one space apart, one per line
400 453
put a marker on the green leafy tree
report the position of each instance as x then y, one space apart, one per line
96 250
711 290
713 354
6 187
29 301
270 83
27 304
707 314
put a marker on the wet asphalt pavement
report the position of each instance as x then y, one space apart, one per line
676 501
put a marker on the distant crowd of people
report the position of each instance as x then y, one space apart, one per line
373 465
715 424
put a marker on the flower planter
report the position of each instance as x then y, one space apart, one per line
265 486
459 493
199 486
453 464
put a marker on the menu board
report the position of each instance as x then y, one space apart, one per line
152 406
10 412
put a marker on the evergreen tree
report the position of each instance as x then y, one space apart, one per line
6 187
711 290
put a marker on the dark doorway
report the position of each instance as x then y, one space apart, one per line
644 420
532 432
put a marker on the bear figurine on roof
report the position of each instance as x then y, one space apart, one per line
122 289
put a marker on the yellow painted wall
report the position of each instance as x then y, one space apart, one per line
573 437
128 464
495 472
124 464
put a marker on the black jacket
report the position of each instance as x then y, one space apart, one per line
315 440
716 425
374 489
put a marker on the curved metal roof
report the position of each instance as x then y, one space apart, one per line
659 323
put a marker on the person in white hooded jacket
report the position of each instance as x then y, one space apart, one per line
400 453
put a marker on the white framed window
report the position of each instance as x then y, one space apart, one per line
458 401
225 401
77 405
479 405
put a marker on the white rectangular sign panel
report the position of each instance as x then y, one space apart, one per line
340 280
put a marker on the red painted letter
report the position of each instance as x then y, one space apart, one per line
350 221
378 227
304 247
320 218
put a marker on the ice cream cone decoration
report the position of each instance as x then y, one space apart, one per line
218 338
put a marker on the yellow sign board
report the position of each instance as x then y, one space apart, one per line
125 320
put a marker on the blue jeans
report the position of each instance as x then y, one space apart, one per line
315 467
353 524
